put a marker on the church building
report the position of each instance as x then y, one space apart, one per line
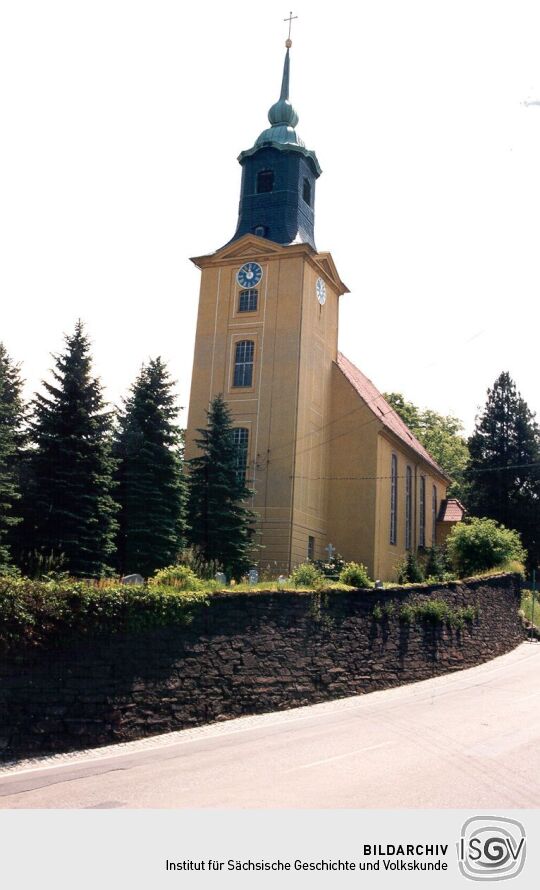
328 460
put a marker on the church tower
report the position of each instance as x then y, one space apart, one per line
328 459
267 340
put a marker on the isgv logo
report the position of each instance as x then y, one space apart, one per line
491 848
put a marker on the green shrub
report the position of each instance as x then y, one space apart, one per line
179 577
330 568
409 571
307 575
435 612
432 611
478 545
40 612
406 614
436 564
355 574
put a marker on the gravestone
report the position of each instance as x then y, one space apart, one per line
253 576
221 578
133 579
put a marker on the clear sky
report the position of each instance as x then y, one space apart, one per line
121 123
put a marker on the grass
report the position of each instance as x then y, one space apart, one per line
527 606
272 587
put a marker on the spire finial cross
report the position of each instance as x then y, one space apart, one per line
290 21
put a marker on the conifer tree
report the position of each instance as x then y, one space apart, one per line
221 527
70 508
504 469
11 439
151 488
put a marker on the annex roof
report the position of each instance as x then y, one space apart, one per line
383 411
451 510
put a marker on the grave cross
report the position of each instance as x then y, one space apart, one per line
330 549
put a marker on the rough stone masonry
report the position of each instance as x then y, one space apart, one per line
245 653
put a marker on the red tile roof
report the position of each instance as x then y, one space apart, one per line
451 511
382 410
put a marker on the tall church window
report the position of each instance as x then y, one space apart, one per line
311 547
433 515
408 508
243 363
241 440
265 181
247 301
393 501
422 522
306 191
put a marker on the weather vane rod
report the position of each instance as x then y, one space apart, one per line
288 42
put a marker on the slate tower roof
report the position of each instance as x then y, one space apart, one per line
277 199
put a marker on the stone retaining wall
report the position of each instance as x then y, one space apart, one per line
243 654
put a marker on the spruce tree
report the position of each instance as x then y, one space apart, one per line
151 488
70 508
221 527
11 440
504 469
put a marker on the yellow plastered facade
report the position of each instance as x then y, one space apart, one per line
317 455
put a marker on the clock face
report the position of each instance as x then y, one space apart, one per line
249 275
320 288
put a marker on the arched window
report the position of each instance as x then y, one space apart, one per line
422 518
247 301
408 508
265 181
241 441
433 515
393 501
306 191
243 363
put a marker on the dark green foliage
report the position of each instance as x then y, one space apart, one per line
441 435
45 612
331 567
504 471
11 440
478 545
436 563
410 571
220 527
151 488
70 512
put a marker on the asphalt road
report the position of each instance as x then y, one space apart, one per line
469 739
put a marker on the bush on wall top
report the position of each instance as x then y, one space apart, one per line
307 575
39 611
478 545
355 574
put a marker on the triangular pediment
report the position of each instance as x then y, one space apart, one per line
327 266
248 247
